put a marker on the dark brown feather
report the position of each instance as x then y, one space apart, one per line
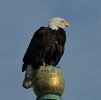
47 46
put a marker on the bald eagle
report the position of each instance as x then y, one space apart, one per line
46 48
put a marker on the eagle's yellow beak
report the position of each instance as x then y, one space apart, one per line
66 24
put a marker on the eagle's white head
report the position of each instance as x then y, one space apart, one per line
57 23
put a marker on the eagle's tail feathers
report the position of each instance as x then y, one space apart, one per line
29 77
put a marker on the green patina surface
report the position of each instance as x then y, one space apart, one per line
49 97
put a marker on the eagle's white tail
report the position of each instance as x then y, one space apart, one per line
29 76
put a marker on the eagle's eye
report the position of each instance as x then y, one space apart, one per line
62 21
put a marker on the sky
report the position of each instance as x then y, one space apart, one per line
81 62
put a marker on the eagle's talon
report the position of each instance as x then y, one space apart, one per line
43 65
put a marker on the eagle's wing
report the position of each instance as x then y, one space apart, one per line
60 45
37 47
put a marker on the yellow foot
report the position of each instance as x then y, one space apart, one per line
43 65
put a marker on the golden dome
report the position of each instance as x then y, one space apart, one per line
49 80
